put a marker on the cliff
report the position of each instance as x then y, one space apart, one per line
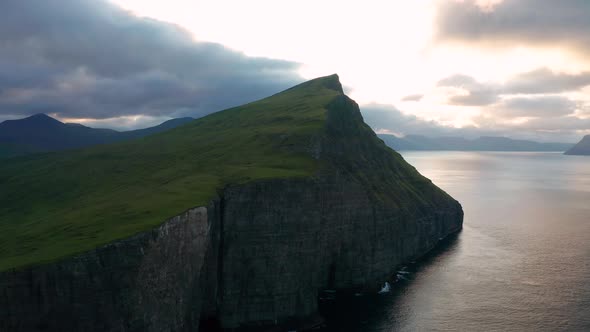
343 213
582 148
146 282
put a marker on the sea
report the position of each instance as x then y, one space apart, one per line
521 263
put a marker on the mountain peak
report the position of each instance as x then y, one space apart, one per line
41 118
330 82
33 121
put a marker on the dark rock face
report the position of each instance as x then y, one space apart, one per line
259 254
349 227
148 282
284 241
582 148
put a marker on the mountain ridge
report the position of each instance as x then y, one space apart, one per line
483 143
42 133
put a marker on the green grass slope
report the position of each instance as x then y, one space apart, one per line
59 204
13 150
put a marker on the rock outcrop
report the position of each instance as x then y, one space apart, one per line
149 282
582 148
258 254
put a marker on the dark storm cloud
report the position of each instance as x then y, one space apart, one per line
91 59
540 22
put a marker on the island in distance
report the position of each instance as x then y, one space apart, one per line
237 219
580 149
484 143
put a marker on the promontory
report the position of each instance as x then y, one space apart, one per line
240 218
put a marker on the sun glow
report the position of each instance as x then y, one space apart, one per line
382 50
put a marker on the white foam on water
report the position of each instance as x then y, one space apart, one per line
385 289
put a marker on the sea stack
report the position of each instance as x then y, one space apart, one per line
582 148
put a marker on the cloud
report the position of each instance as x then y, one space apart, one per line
544 80
536 107
467 91
388 119
91 59
475 93
555 128
474 98
526 102
563 125
516 22
416 97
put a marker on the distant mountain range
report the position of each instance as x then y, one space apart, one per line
484 143
582 148
42 133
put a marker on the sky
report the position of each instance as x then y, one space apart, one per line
513 68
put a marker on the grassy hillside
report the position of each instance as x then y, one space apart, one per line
59 204
13 150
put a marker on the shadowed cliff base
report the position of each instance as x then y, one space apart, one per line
297 195
356 311
349 309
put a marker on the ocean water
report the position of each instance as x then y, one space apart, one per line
521 263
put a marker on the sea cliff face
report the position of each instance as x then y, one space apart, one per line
349 227
258 254
284 241
262 259
149 282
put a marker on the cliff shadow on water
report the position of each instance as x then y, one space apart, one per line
360 311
